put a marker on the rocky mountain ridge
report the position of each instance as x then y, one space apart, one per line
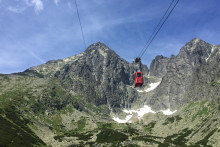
71 101
98 73
194 74
98 63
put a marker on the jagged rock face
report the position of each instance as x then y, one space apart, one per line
98 74
55 100
102 77
158 67
192 75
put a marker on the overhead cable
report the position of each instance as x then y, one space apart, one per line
155 29
158 27
80 23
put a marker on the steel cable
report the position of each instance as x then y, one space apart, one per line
153 35
80 23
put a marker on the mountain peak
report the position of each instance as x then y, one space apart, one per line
97 46
196 44
98 43
197 40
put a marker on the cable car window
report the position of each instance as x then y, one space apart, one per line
139 74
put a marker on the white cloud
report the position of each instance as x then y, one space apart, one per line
56 2
38 5
16 9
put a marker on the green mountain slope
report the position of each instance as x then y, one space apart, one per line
68 103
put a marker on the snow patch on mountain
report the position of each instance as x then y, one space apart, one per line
152 87
168 112
126 120
210 54
133 115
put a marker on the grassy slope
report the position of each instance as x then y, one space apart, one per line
69 117
14 130
204 126
14 127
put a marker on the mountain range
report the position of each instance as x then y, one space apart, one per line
81 100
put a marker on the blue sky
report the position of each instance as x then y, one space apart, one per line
36 31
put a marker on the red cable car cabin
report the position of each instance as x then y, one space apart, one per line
138 79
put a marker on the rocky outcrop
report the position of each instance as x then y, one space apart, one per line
67 102
192 75
98 74
158 67
104 78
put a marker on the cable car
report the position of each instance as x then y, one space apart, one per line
138 79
